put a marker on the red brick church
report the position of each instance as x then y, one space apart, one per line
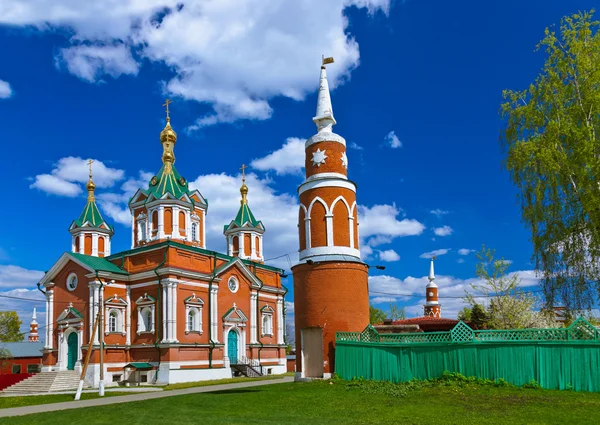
172 310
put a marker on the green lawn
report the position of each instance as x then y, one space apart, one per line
222 381
325 403
30 400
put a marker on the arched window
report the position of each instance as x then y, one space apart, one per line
146 319
191 322
194 231
267 325
113 321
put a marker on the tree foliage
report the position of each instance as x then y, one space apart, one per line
509 306
553 157
376 315
10 327
397 313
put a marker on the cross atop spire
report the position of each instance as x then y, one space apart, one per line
89 163
243 168
324 118
244 188
166 105
90 185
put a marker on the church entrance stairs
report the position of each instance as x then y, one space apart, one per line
45 382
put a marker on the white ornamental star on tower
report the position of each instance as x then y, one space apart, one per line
345 160
319 157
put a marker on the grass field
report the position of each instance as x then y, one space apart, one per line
339 402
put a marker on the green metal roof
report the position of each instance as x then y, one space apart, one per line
244 215
91 214
97 263
139 365
168 180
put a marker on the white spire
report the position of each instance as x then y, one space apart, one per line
431 275
34 316
324 118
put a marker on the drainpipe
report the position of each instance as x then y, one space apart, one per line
210 335
42 291
284 310
158 325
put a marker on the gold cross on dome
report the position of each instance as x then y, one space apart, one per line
89 163
166 105
244 171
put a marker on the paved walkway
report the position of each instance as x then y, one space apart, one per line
41 408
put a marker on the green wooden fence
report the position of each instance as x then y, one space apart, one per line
559 358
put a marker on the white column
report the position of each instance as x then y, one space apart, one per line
253 328
329 225
175 312
132 230
91 308
214 322
253 246
351 231
106 246
50 324
81 243
188 226
95 244
72 243
128 316
241 245
229 246
280 320
307 231
161 222
203 236
176 222
80 343
164 311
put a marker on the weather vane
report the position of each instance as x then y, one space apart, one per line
166 104
325 60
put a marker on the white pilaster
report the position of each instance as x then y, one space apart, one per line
253 328
82 243
351 231
175 312
202 237
280 320
176 222
164 311
161 222
72 243
96 307
188 226
253 246
329 226
95 244
307 231
128 316
107 246
50 323
132 231
215 314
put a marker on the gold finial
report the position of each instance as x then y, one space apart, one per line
90 186
244 188
166 105
326 61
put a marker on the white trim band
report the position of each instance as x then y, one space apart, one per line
327 182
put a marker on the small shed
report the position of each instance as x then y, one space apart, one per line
137 372
22 357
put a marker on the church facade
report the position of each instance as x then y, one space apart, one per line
170 310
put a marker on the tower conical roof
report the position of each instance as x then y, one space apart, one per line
324 118
91 213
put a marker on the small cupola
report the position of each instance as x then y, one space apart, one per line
244 233
91 235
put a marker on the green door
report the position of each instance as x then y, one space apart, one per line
232 347
72 350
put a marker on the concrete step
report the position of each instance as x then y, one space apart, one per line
46 382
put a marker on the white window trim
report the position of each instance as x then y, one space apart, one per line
237 284
197 326
141 309
120 329
71 275
266 330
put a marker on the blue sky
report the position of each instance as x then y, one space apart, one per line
416 92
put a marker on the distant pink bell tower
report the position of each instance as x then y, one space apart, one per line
432 307
33 328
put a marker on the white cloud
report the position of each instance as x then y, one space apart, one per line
435 253
443 231
115 204
24 307
17 277
413 289
55 186
439 212
90 62
289 159
382 220
289 308
235 55
460 260
5 90
68 173
379 240
356 146
381 300
388 255
465 251
392 140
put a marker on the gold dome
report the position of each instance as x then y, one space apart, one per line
168 156
90 186
244 192
168 134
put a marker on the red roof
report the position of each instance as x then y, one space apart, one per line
429 324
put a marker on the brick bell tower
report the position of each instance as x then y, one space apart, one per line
33 328
330 280
432 307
